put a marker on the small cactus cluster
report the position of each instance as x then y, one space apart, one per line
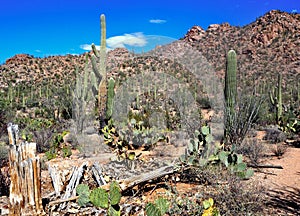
234 162
199 148
99 197
198 154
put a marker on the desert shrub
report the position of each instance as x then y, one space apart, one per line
43 139
265 115
253 150
279 149
185 206
231 195
57 147
239 198
2 123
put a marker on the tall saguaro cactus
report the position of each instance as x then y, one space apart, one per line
110 97
100 71
276 97
102 92
230 92
230 80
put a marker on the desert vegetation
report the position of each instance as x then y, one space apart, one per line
165 155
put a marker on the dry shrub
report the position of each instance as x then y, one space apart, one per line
279 149
252 149
232 195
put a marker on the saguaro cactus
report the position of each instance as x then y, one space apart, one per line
110 97
230 92
102 95
276 97
230 80
100 71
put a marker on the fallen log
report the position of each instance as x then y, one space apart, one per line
135 180
125 184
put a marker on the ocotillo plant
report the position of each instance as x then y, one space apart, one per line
276 97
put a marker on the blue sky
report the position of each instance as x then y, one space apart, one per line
57 27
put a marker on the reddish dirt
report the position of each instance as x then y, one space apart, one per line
283 185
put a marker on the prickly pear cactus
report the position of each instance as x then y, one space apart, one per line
152 210
158 208
99 198
114 193
84 192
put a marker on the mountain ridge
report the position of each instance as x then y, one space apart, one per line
269 45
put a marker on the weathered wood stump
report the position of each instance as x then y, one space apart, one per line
25 188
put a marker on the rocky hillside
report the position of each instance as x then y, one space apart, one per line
269 45
265 47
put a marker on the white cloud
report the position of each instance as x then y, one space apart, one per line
294 11
157 21
135 39
88 47
38 51
136 42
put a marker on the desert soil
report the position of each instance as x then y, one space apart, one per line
282 185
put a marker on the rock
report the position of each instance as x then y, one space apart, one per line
195 33
275 135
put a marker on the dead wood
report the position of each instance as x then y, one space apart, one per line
25 173
74 181
125 184
145 177
97 172
56 179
